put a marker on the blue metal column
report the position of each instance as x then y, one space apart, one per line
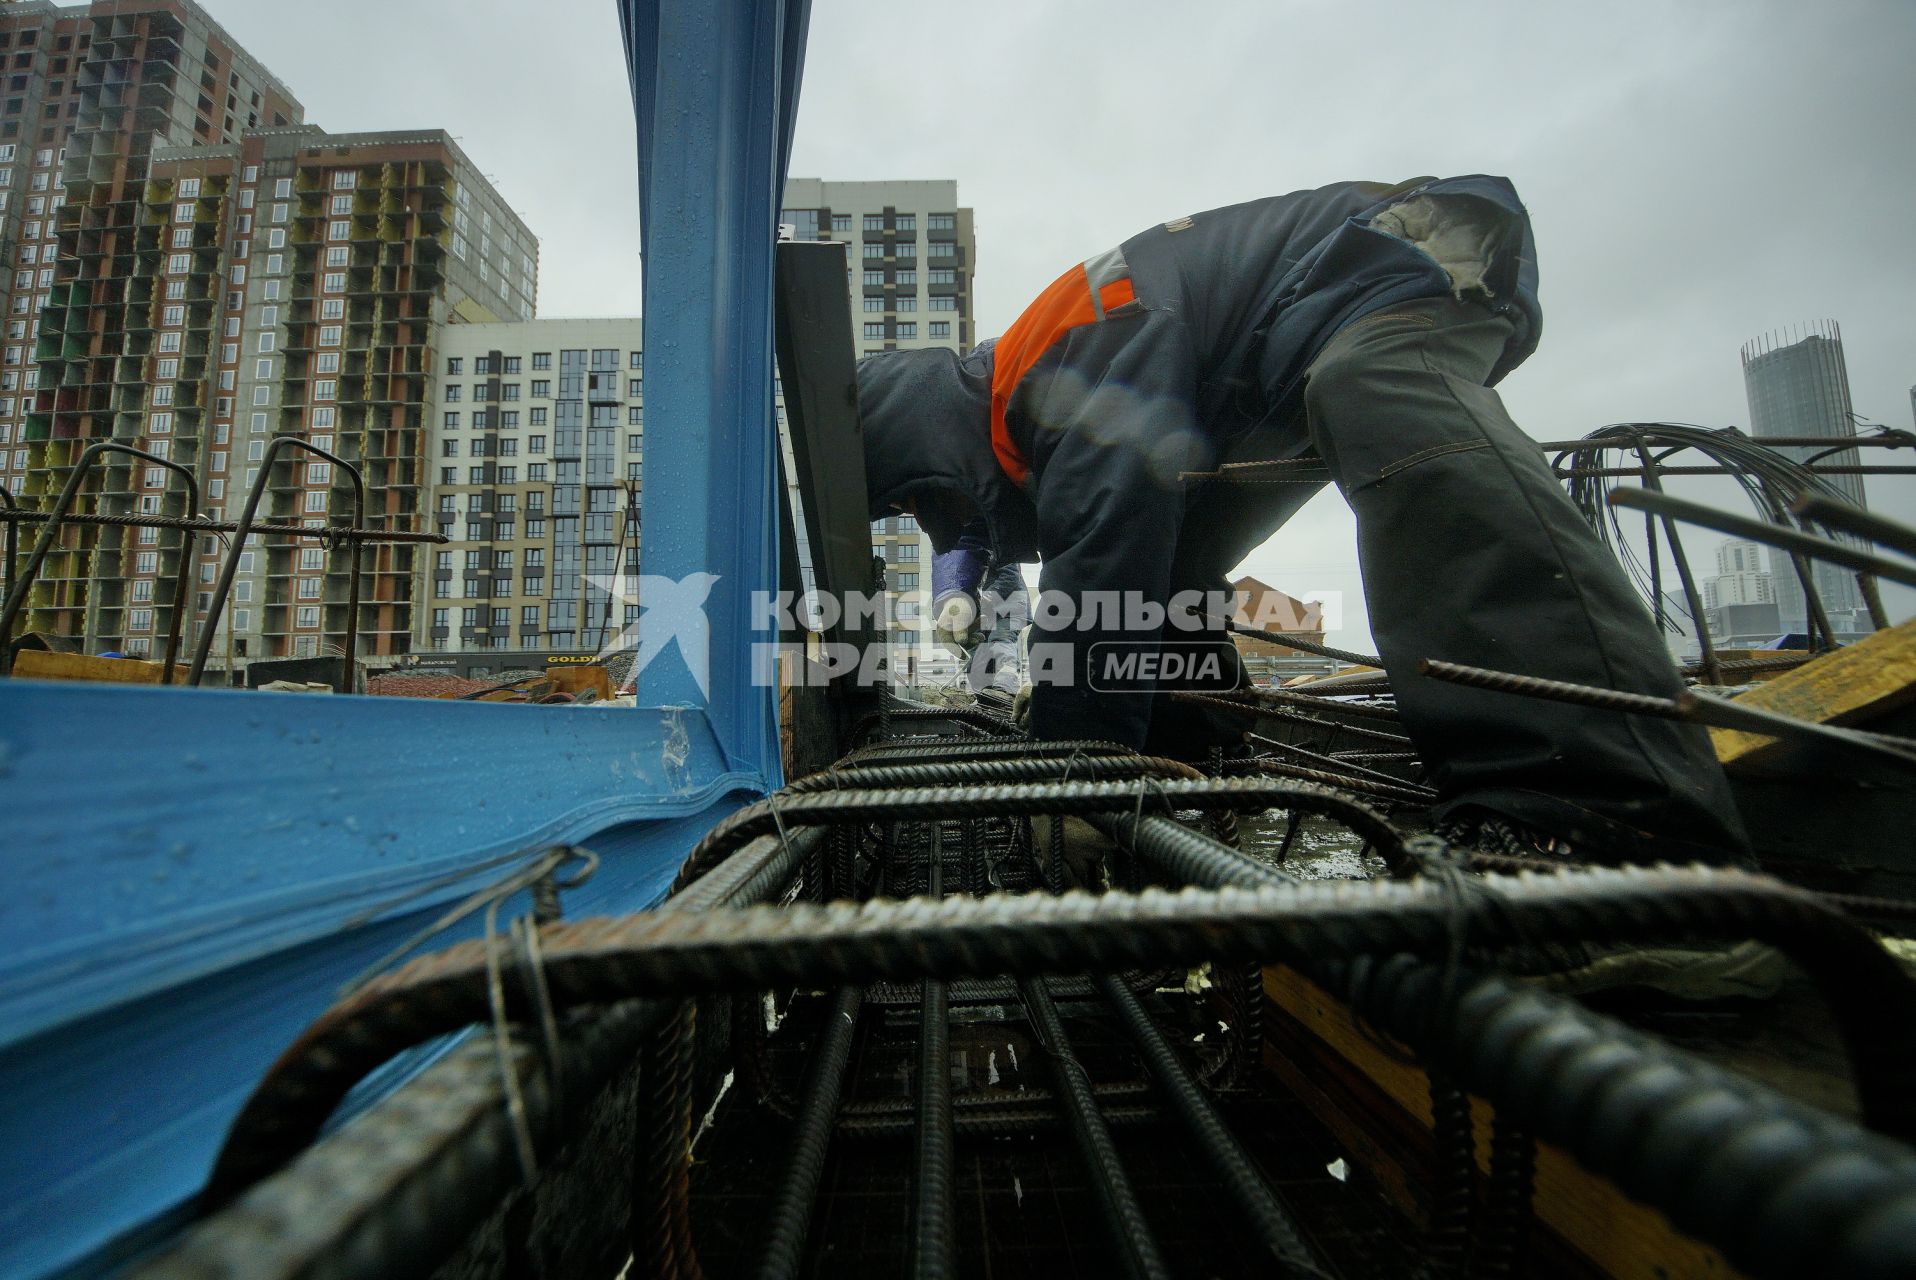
715 85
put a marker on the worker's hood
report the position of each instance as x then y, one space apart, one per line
926 416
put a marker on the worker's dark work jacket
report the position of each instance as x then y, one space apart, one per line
1084 436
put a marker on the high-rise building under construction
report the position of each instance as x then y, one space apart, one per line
213 272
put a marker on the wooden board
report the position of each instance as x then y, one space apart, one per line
1616 1235
1848 686
37 664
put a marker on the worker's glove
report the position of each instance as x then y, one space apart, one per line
955 625
1083 856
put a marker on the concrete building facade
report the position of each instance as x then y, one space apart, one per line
1798 386
1742 576
221 284
537 450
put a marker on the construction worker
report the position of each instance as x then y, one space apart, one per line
1364 322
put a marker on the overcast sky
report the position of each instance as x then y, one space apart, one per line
1698 173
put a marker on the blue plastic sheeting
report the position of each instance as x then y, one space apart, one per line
193 874
715 86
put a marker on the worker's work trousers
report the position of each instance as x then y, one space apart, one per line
1472 553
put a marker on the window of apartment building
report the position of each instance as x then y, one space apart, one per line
875 330
345 179
159 424
475 475
451 421
906 222
337 256
333 309
941 328
309 588
246 199
541 387
908 278
509 391
513 364
635 416
509 421
942 249
238 276
905 250
536 416
536 471
874 222
322 418
874 249
535 444
841 222
139 619
163 393
942 275
267 341
329 335
907 303
182 239
183 211
167 368
339 229
263 369
272 286
874 304
875 277
542 360
448 448
452 395
307 615
315 500
326 362
529 615
335 282
179 263
907 329
146 562
143 587
941 222
341 206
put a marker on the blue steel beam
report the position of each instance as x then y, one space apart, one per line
715 87
193 873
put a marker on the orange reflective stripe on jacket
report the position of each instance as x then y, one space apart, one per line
1080 296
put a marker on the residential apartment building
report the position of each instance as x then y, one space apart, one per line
1742 576
911 261
537 468
220 287
91 91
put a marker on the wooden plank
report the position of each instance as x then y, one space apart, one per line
1854 683
1618 1236
37 664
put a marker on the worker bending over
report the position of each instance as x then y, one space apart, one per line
1365 322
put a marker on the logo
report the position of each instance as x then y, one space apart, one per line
1176 665
671 612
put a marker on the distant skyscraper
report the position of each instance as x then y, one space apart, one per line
1798 386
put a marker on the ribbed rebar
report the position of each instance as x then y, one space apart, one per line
1227 1158
681 953
1453 1204
933 1252
1137 1251
1020 799
811 1137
